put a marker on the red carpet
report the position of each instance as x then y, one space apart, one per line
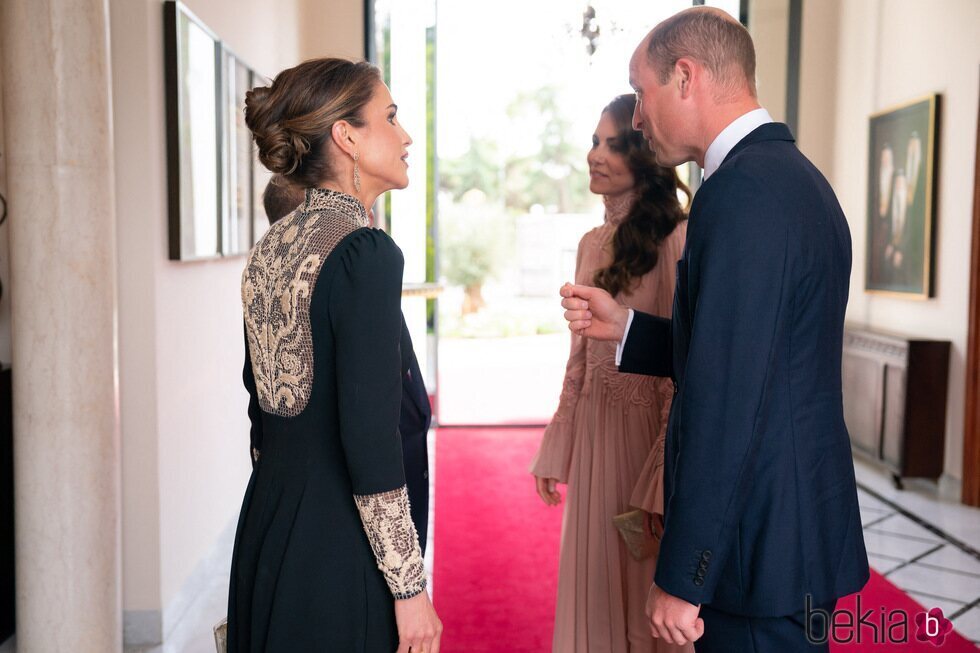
496 556
496 544
880 596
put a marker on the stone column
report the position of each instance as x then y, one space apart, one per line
58 128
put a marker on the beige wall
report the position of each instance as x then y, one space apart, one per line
332 29
816 123
887 52
4 252
769 26
184 427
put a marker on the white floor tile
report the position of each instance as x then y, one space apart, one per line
883 564
895 546
937 582
968 624
902 525
923 498
866 500
949 557
871 516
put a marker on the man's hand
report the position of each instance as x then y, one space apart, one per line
593 313
674 620
547 490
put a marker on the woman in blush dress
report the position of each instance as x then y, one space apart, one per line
606 440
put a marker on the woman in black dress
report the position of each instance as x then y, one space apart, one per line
326 556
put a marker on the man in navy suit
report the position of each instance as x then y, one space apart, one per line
279 200
762 516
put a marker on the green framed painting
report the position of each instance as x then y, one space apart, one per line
901 199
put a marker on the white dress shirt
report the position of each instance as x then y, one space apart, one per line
713 158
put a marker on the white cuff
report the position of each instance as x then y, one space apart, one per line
622 343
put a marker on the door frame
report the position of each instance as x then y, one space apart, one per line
971 423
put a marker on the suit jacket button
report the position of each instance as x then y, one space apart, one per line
706 555
700 573
699 582
703 564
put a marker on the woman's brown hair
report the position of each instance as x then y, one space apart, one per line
291 119
655 212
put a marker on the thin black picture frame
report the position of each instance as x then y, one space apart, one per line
238 194
181 244
185 220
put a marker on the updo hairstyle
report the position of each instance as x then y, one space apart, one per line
291 119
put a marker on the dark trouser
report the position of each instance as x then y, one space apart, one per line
729 633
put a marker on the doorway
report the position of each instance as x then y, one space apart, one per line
505 97
971 429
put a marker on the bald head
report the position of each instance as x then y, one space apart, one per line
711 37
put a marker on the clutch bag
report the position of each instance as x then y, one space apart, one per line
634 527
221 636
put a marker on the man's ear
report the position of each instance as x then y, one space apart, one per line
685 73
344 136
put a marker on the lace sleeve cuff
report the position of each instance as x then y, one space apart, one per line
388 524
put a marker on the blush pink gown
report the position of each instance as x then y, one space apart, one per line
606 441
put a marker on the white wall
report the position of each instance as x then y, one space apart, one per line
887 52
201 403
183 407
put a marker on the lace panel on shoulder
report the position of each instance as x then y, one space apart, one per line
389 527
277 285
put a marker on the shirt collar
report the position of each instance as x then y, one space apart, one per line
730 136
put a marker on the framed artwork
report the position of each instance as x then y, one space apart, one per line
901 199
193 73
238 160
212 168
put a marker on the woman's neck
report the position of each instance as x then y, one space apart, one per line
366 197
618 206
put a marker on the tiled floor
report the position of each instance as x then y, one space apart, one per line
923 542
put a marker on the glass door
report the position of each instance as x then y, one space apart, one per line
498 197
401 41
521 87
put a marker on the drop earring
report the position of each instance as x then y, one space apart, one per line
357 173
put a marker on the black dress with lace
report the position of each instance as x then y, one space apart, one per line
325 540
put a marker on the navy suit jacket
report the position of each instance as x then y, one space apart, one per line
761 499
413 423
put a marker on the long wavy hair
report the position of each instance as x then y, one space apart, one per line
655 213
